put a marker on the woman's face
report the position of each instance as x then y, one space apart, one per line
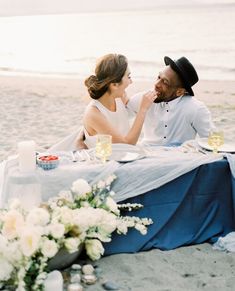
126 81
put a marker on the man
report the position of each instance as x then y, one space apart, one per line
176 116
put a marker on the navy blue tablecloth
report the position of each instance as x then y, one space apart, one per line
194 208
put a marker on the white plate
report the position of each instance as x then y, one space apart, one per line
124 157
225 148
125 153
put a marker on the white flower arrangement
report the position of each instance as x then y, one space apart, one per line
84 215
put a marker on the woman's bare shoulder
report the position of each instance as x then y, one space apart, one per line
91 109
91 113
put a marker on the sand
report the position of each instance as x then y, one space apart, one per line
48 109
190 268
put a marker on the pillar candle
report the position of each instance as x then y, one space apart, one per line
27 156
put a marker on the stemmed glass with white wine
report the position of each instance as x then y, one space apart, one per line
103 147
216 139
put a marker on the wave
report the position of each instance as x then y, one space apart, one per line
201 67
5 71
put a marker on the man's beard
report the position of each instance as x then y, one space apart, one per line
161 99
158 100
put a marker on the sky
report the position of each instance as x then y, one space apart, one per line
29 7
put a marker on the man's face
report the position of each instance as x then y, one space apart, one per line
166 85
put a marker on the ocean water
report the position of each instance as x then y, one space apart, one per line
69 44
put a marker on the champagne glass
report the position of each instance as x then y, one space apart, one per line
103 146
215 140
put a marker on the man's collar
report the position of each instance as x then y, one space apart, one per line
171 104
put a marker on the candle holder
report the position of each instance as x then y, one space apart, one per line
26 188
27 156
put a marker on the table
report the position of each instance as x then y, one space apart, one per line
135 178
198 206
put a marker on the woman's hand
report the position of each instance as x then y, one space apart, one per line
147 100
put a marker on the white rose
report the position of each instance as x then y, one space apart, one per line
87 217
94 249
109 225
29 241
66 215
5 270
49 248
81 218
38 216
112 205
67 195
15 204
52 202
56 230
72 244
56 214
81 188
13 253
13 223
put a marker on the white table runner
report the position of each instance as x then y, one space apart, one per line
161 166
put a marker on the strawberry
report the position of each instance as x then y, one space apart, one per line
48 158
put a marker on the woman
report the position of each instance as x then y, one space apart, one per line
106 113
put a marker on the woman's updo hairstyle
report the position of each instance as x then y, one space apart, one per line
109 69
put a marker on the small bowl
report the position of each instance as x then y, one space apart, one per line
48 162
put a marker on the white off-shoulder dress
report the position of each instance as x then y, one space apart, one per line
119 119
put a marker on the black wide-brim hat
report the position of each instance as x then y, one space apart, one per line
185 71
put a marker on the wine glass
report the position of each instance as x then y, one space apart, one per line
103 146
215 140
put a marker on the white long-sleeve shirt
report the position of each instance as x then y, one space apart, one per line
174 122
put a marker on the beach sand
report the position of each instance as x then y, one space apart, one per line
48 109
